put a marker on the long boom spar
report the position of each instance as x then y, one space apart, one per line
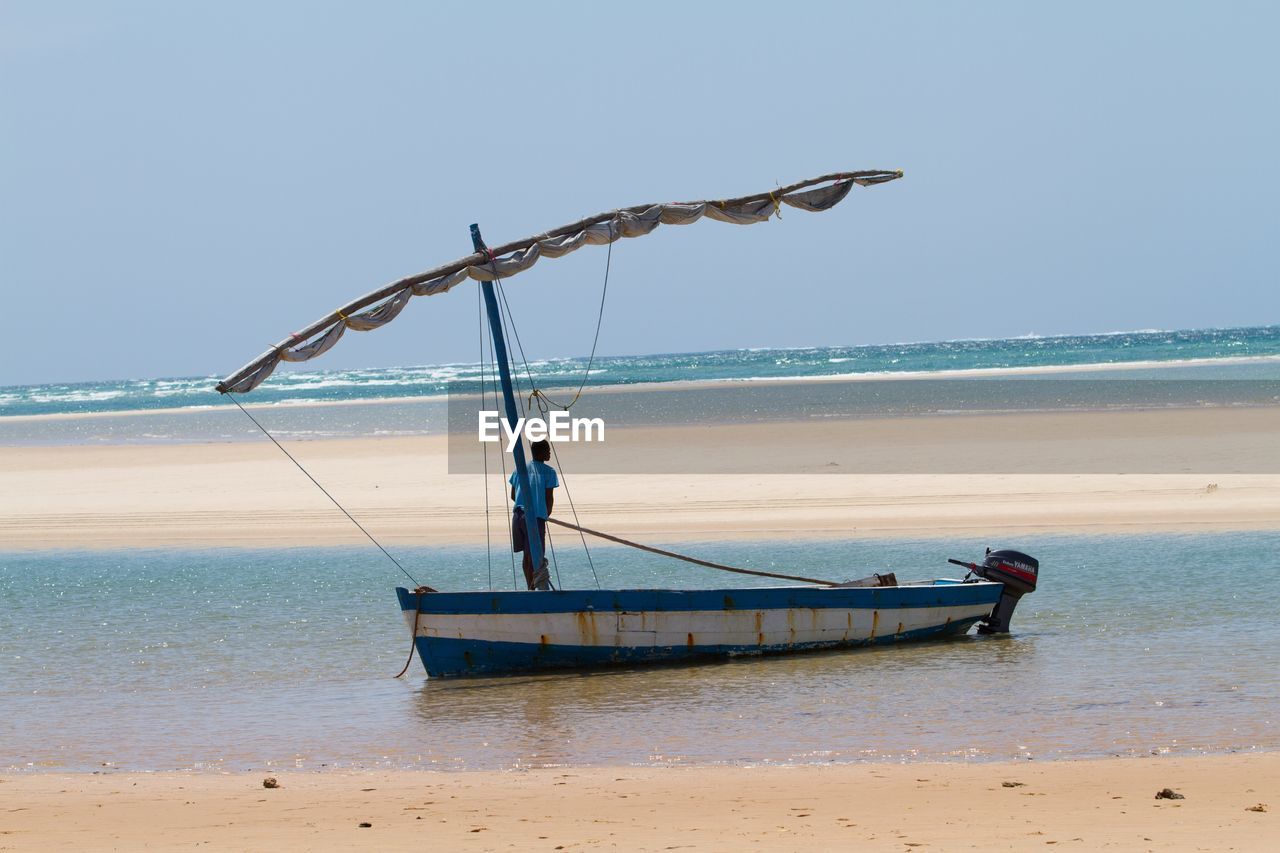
634 221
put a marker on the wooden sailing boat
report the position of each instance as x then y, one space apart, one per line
490 632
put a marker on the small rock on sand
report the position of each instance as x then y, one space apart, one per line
1013 784
270 782
1168 794
1260 807
364 824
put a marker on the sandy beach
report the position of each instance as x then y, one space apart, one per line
910 477
1229 803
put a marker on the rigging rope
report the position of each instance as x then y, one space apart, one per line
574 509
502 459
323 489
484 446
413 638
541 399
493 363
604 292
554 562
510 320
689 559
509 329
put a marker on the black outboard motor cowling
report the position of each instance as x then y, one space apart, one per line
1017 571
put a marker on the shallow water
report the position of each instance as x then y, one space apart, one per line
1218 385
231 659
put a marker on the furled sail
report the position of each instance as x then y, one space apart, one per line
815 194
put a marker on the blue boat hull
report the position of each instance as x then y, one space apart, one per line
495 633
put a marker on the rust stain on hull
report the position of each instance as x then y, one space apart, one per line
587 631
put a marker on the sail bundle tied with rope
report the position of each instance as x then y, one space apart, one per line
386 303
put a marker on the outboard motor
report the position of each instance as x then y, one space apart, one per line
1017 571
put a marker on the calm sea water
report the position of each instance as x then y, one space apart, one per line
283 658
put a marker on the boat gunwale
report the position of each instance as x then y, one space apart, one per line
903 596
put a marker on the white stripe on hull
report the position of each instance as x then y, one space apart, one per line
691 627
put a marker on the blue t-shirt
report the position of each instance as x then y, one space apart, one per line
541 477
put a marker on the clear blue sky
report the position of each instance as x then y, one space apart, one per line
181 184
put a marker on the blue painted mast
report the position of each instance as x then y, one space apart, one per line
513 416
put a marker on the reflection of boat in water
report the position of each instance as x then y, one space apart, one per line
485 632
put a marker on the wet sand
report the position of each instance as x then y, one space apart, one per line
1078 805
793 480
242 494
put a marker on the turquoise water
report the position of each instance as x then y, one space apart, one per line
1232 367
233 659
400 382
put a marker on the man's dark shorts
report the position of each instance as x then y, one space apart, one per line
520 533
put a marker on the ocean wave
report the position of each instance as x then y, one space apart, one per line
982 356
1031 369
75 397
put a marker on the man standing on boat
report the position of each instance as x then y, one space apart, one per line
542 483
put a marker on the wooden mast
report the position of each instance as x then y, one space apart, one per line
527 503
